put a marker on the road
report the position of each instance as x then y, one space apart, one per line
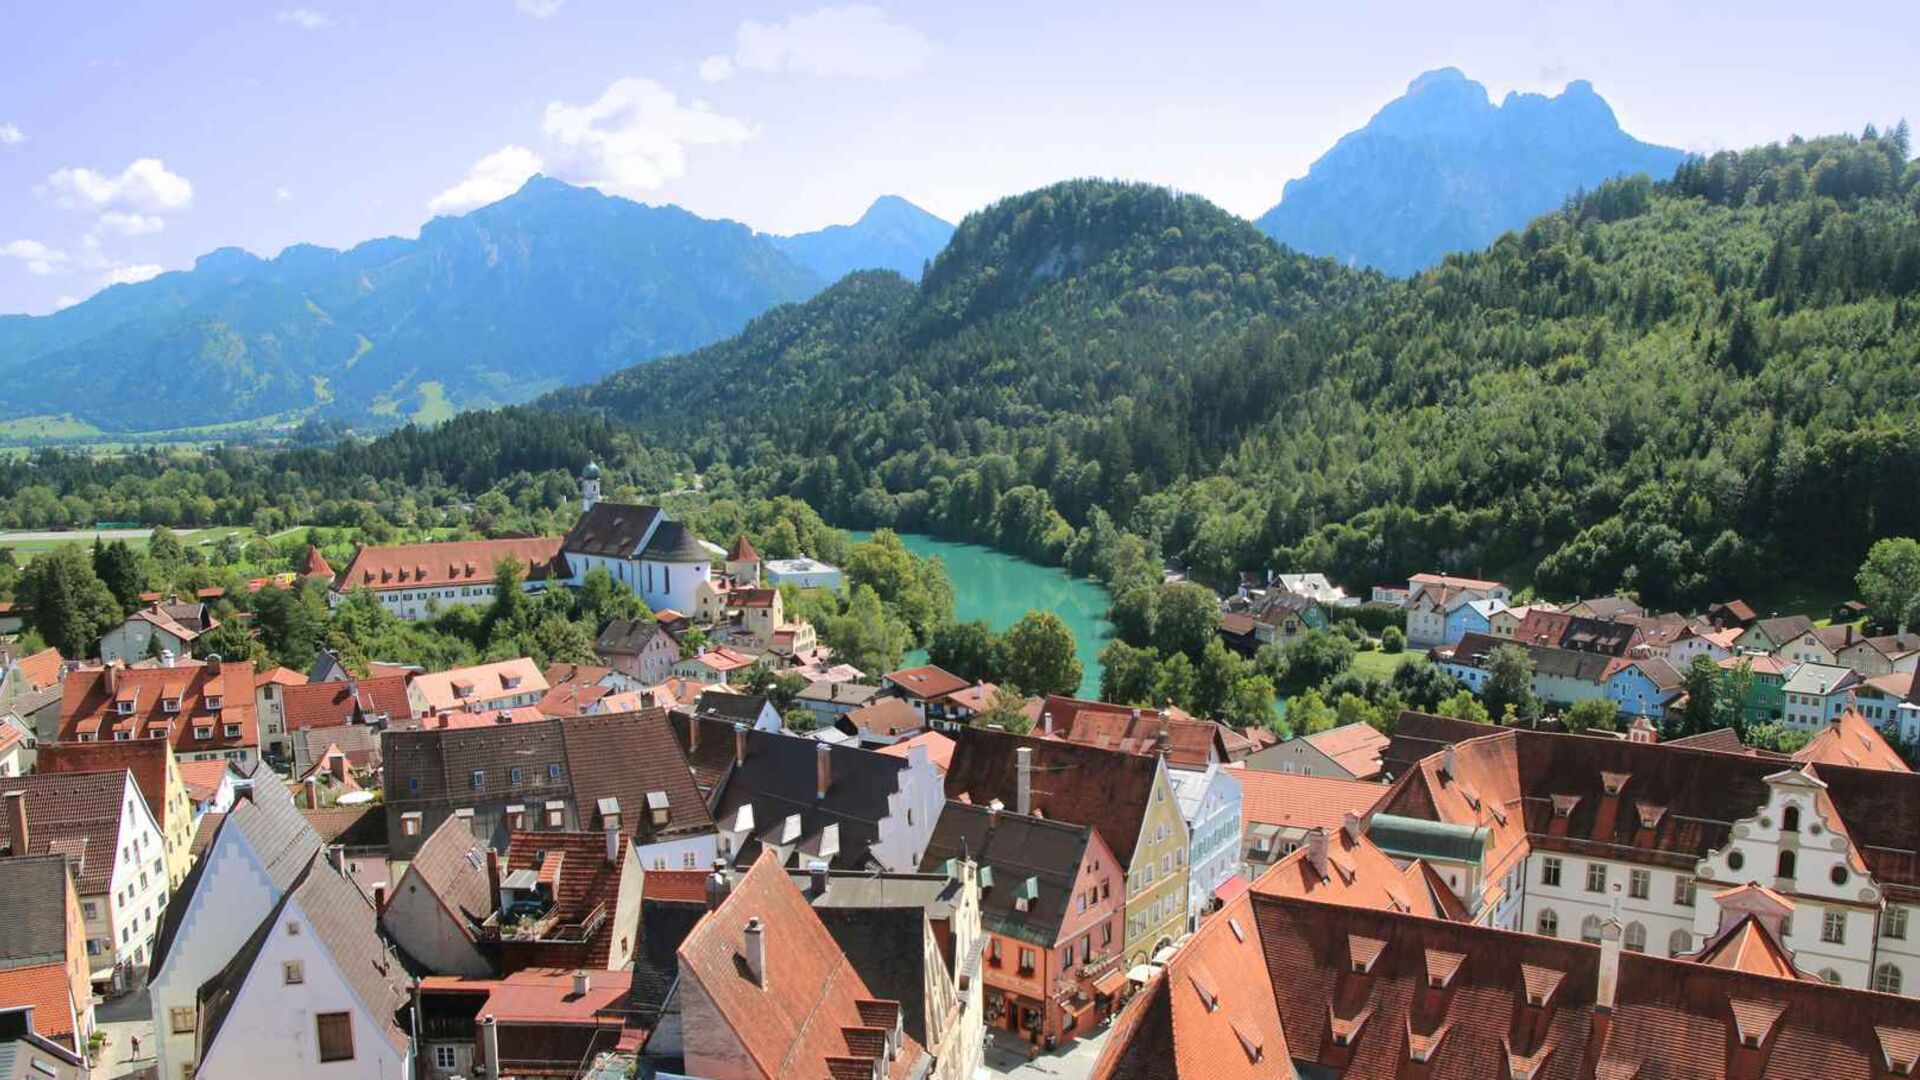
125 1019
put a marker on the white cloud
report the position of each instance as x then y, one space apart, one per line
129 275
854 39
64 301
635 137
39 258
283 194
539 9
716 69
144 185
121 223
491 179
11 135
306 19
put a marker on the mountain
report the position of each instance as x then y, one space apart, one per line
892 235
550 286
1442 169
1693 389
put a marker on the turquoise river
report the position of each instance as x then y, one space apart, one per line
1000 588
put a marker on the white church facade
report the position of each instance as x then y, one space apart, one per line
659 559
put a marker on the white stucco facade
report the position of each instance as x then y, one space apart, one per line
1210 802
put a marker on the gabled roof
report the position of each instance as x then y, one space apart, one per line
778 781
1418 734
727 705
1451 582
811 1016
149 760
939 748
281 840
331 704
202 778
632 758
1298 801
1017 850
452 866
1820 679
73 814
1748 946
628 637
1358 874
460 687
1781 629
926 682
41 669
91 698
541 996
742 550
612 530
1852 740
887 716
1083 785
34 931
1354 747
451 562
1187 742
48 990
315 565
280 676
584 880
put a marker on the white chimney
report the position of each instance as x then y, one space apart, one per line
613 845
1609 965
1023 774
166 658
739 743
756 950
1446 762
581 983
489 1047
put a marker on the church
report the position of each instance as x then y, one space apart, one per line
658 558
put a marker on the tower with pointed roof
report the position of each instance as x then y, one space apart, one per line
743 562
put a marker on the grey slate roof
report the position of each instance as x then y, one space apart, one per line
879 921
1014 848
280 838
675 543
453 866
722 705
35 928
778 780
626 637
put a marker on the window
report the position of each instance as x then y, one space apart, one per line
1886 979
993 951
336 1035
1679 942
413 784
1894 924
292 973
444 1057
1735 860
410 824
203 733
1683 891
1640 884
513 775
233 731
1106 934
1784 868
479 780
555 816
1550 870
1833 928
1026 959
1596 877
180 1019
1549 925
1066 957
1830 976
1590 930
553 771
1790 819
91 910
1636 938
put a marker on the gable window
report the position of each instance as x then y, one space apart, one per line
293 973
1833 928
553 771
335 1031
410 824
1790 819
203 733
171 704
1597 877
213 704
233 731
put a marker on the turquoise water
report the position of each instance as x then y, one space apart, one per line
1001 588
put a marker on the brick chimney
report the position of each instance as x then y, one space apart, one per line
822 769
17 822
493 877
312 787
1023 780
1317 851
739 744
755 946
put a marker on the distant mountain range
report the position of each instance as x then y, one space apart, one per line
552 286
1443 169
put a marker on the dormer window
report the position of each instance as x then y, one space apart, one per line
214 703
122 736
658 810
203 733
171 705
124 706
232 731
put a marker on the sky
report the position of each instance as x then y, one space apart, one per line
135 137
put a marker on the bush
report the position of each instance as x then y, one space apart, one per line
1393 640
1373 618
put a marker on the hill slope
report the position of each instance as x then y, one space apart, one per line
550 286
892 235
1443 169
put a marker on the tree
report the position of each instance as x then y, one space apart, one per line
118 565
600 600
1731 696
1007 711
292 622
1186 617
166 551
71 606
1464 706
779 687
507 615
1309 714
1510 683
1250 704
1393 640
1037 654
1889 582
864 635
968 649
1777 737
1592 714
1128 674
231 640
1313 658
800 721
1423 685
1215 677
1702 679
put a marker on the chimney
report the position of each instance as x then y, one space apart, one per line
338 856
1353 825
756 949
718 887
1609 965
739 744
613 845
822 769
493 876
113 678
213 663
489 1048
1023 771
312 786
337 765
379 899
817 877
581 983
1046 722
17 822
693 735
1446 762
1317 851
166 658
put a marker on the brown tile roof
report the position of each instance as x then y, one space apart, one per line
1852 740
632 757
575 865
1739 611
1189 742
1211 1014
1358 874
41 669
888 716
1296 801
1747 946
76 814
203 833
742 550
926 682
812 1012
1723 740
452 866
34 931
939 748
453 562
330 704
626 637
752 598
975 698
360 742
570 699
1417 734
90 697
541 996
611 529
1354 747
1084 785
1451 582
147 759
343 824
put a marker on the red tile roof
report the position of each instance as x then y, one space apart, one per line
1852 740
586 880
1295 801
47 988
147 759
454 562
331 704
1451 582
41 669
1354 747
811 1017
74 814
202 778
1189 742
458 688
927 682
676 886
742 550
316 565
90 697
1748 947
1357 873
939 748
543 996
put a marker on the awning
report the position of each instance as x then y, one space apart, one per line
1077 1009
1110 982
1142 973
1230 888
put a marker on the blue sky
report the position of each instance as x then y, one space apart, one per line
134 137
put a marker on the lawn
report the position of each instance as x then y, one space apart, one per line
1379 663
24 550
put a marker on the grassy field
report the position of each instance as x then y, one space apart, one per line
1379 663
24 550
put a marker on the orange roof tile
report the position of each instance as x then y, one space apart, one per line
1354 747
454 562
1295 801
41 669
939 748
46 988
1852 740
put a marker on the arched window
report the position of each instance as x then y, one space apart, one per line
1549 923
1679 942
1790 820
1886 979
1590 929
1785 867
1636 938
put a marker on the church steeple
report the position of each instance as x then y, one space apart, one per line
589 487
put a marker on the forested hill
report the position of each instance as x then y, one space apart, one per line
1678 387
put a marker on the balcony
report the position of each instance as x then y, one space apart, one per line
533 925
